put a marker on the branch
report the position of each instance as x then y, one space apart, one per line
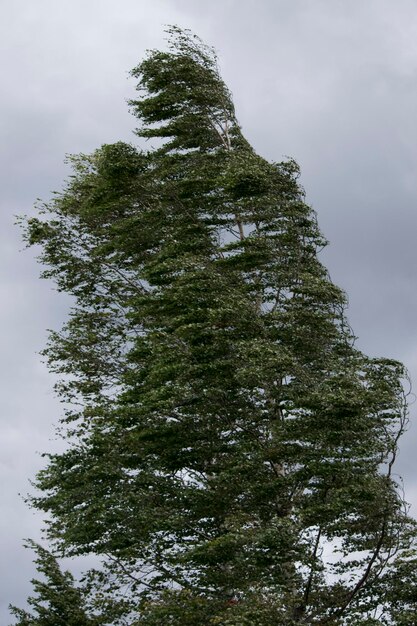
364 578
312 570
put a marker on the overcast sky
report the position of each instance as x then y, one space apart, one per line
331 83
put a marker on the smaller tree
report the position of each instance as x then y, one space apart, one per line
58 601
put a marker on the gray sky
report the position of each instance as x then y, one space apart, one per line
332 83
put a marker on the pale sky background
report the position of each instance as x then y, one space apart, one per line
332 83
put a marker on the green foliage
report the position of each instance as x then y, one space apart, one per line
226 438
58 601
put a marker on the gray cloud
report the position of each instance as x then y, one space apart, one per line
331 83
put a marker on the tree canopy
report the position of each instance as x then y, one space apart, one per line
230 451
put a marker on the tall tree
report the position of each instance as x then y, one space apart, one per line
230 450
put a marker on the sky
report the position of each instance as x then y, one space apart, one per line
331 83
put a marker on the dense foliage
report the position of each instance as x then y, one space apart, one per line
230 450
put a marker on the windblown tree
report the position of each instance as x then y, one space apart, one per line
230 451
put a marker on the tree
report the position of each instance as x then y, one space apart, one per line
58 601
227 440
